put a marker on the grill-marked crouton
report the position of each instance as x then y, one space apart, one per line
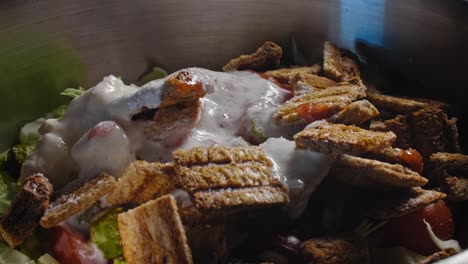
337 65
332 99
338 139
266 57
78 199
372 173
335 251
153 233
24 213
143 181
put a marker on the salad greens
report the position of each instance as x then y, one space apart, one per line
105 234
9 255
156 73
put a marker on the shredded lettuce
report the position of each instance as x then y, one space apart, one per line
57 112
47 259
120 260
441 244
73 92
12 256
156 73
105 234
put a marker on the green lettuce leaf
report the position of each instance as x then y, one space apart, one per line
11 256
73 92
156 73
47 259
29 133
120 260
105 234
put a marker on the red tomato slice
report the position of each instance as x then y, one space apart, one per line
413 159
68 247
410 231
314 112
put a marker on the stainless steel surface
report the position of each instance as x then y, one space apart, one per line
423 43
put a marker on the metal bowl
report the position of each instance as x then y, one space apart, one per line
48 45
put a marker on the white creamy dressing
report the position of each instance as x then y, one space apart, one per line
80 144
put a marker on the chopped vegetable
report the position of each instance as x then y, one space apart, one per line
409 230
156 73
257 132
73 92
441 244
9 256
105 234
57 112
120 260
17 155
47 259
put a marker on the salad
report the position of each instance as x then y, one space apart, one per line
260 163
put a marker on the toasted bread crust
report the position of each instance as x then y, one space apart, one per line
433 132
438 256
337 66
334 251
219 155
338 139
371 173
451 162
399 126
398 203
456 188
266 57
335 98
241 198
23 215
77 200
356 113
248 174
395 104
143 181
284 75
153 233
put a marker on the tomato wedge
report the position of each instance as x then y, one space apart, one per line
413 159
69 247
314 112
410 231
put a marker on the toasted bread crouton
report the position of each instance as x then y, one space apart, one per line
452 163
338 66
335 251
456 188
153 233
143 181
332 99
393 204
172 123
372 173
78 199
23 215
338 139
249 174
266 57
284 75
242 198
356 113
433 132
397 125
229 178
183 87
393 104
220 155
315 82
